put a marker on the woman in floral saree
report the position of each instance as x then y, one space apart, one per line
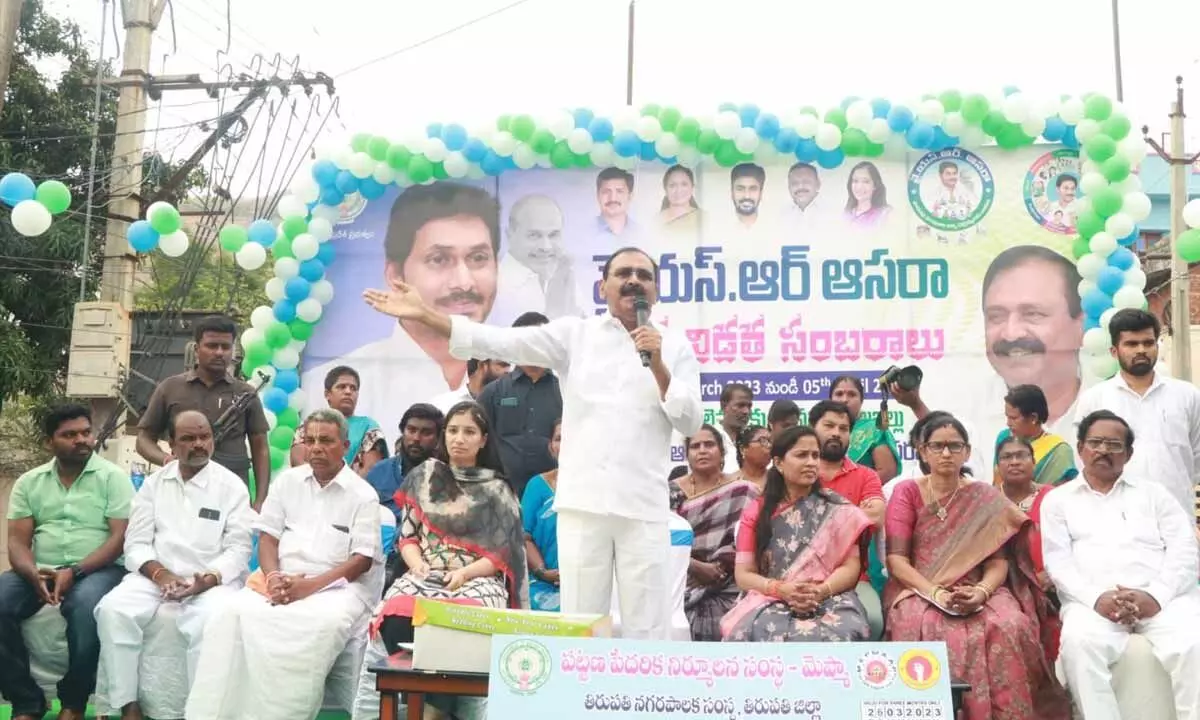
799 555
961 573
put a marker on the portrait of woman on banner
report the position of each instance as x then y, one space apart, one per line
680 212
866 196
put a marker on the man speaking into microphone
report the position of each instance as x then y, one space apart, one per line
617 421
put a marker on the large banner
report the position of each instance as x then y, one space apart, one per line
782 277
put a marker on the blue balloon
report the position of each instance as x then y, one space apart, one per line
626 143
807 150
326 254
767 126
601 129
648 152
296 290
433 130
848 101
142 237
286 380
475 150
346 183
312 270
1131 238
1011 90
324 172
454 136
262 232
941 140
786 140
727 107
749 114
285 310
921 135
1110 280
829 159
1069 138
583 117
668 160
1096 302
16 187
509 163
880 107
371 189
1090 322
275 400
1121 259
899 118
1055 129
492 164
332 196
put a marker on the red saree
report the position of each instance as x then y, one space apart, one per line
998 651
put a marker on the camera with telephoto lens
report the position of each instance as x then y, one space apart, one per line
907 378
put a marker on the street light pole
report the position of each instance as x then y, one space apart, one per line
629 56
1116 33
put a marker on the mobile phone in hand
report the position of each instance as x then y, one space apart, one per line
436 577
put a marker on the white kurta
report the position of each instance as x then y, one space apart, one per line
269 662
1135 536
192 526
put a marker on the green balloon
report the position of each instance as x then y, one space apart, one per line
1115 169
359 142
281 437
300 329
1188 245
727 154
561 156
854 142
378 148
669 119
419 169
707 141
54 196
1010 136
233 238
504 122
952 100
993 123
522 127
1088 224
282 248
542 141
398 157
294 226
257 355
583 160
975 108
1116 126
279 458
1106 202
874 150
651 109
836 116
688 130
277 335
810 110
165 219
1097 107
289 418
1080 247
1100 147
439 171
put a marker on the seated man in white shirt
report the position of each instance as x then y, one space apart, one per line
267 652
1123 556
188 542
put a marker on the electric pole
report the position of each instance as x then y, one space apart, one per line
10 23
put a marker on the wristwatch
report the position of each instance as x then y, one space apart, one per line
76 570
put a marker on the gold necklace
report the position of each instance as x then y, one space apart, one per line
941 511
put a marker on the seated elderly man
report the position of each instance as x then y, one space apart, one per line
1123 556
267 651
188 542
66 528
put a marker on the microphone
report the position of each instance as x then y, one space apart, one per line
642 308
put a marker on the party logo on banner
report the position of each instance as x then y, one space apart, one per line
1052 190
525 666
951 190
876 670
919 669
351 207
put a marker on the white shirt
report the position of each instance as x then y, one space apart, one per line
395 372
520 290
1166 429
954 204
191 526
447 400
731 463
319 528
1135 536
616 428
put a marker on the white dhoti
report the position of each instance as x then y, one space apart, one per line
269 662
592 546
121 619
1091 645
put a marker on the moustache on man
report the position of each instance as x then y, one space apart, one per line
631 289
458 298
1004 348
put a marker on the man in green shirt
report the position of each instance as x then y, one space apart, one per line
66 532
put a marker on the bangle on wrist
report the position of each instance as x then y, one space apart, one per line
154 575
987 590
828 590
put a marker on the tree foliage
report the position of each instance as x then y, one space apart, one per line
219 285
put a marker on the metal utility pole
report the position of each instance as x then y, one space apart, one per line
1180 162
1116 33
629 56
10 23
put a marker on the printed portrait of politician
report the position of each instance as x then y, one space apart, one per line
680 212
806 214
866 196
537 273
1067 187
442 240
614 195
953 197
746 184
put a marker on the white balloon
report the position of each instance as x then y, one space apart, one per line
626 119
285 358
1128 297
1191 213
688 156
297 345
252 335
272 420
828 136
1016 108
174 245
580 141
525 157
306 189
1135 277
1033 126
1090 265
667 145
320 228
973 136
931 111
1133 148
433 149
341 157
1086 286
746 140
321 291
1103 366
953 123
275 289
1091 182
648 128
1096 341
1130 184
859 114
305 247
456 165
879 132
30 218
602 154
1086 129
560 124
361 165
1071 110
726 124
474 173
1137 205
807 125
384 174
765 154
251 256
329 212
291 206
298 399
1083 206
1107 316
309 310
503 143
626 163
261 317
1103 244
1119 225
287 268
154 206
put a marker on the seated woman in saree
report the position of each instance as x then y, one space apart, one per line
367 442
753 455
871 443
712 502
541 532
1026 412
799 555
958 558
